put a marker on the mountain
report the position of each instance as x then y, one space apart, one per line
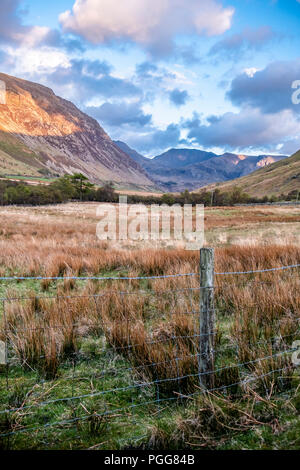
186 168
43 134
179 169
178 158
277 178
140 159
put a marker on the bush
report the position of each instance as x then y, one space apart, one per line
77 187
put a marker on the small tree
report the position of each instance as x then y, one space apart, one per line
168 199
65 186
81 184
237 196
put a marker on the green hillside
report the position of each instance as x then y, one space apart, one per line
277 178
17 159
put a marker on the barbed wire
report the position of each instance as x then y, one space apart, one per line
158 380
127 278
103 294
93 278
280 268
147 384
170 338
148 403
135 292
278 338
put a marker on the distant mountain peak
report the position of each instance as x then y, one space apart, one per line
273 176
184 168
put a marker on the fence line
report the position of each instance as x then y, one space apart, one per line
200 347
166 276
278 337
146 384
281 268
103 294
153 364
93 278
108 413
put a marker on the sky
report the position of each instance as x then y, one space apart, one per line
214 75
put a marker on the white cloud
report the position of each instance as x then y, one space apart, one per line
251 71
29 62
34 36
249 128
151 23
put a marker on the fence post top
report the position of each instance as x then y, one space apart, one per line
207 256
207 253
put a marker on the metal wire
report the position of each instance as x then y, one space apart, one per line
280 268
106 278
136 405
95 296
115 371
92 278
146 384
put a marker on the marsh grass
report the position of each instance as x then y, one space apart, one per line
155 328
71 338
212 421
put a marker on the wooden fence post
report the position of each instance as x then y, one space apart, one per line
207 318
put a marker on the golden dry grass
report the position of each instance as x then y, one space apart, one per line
152 325
62 239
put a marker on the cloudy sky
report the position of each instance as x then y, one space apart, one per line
208 74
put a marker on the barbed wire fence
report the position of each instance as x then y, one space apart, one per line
167 356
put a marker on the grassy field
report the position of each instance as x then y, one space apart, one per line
127 361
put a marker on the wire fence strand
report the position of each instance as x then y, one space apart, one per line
127 278
146 376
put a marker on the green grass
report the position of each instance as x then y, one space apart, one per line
73 380
18 150
170 425
151 426
19 162
271 426
29 178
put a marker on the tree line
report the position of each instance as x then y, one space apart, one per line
77 187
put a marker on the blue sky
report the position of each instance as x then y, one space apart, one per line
207 74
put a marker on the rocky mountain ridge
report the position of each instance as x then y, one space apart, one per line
48 134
